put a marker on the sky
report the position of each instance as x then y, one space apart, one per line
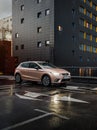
5 8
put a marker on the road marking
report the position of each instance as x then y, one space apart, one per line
72 87
34 119
53 113
25 97
34 94
94 89
27 121
68 98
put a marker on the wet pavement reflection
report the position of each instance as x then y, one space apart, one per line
30 106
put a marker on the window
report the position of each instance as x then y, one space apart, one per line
60 28
88 13
22 46
25 65
88 48
88 36
94 38
39 14
39 44
47 11
94 28
47 43
81 59
88 59
88 2
22 7
73 25
39 1
81 9
94 17
22 20
73 11
81 47
16 35
94 6
16 47
39 29
34 66
81 22
81 34
94 49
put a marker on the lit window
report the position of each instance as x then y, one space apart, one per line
39 44
47 11
39 29
47 43
60 28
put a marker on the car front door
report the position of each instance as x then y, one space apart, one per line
35 72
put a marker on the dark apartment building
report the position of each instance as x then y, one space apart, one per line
60 31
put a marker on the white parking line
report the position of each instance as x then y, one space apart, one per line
70 99
27 121
35 118
53 113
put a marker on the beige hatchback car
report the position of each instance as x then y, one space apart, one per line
41 71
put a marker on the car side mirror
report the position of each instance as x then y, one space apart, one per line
36 67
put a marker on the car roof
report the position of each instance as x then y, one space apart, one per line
33 62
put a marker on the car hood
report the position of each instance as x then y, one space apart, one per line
58 70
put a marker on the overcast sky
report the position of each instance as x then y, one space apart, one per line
5 8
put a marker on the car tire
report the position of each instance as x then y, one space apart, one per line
18 78
46 81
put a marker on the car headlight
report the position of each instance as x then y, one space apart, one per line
56 74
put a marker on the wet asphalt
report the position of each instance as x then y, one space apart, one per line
30 106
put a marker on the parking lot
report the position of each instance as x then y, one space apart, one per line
32 106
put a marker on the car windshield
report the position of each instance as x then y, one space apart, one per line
47 65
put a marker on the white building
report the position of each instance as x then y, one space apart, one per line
6 28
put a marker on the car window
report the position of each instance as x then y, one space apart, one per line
47 65
34 65
25 65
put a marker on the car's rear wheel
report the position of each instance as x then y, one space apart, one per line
46 81
18 78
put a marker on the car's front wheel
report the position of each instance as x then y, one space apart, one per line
18 78
46 81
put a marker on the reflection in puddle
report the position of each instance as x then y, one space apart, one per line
7 90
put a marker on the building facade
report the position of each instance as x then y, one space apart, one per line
60 31
6 28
